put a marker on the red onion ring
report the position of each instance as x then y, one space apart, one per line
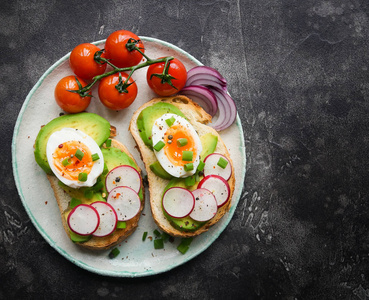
202 96
206 70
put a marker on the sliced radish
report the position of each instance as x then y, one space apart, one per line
212 167
218 186
125 201
206 205
178 202
83 219
108 218
123 176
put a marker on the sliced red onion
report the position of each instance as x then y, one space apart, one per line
206 70
202 96
227 110
205 82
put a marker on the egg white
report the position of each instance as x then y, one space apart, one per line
72 134
158 131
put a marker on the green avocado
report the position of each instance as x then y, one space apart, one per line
91 124
183 224
158 170
147 117
209 142
114 157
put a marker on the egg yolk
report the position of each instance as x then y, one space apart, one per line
174 152
74 166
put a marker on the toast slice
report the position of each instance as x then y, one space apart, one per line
96 243
198 118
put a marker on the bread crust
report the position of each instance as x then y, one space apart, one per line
97 243
198 118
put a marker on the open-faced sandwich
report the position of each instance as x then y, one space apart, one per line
96 181
190 172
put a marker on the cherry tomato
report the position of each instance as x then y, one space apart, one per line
69 101
111 97
82 61
176 69
117 52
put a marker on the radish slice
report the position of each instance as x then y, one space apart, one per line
125 201
218 186
206 205
212 167
123 176
83 219
202 96
178 202
108 218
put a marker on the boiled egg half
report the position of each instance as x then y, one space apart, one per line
177 145
74 157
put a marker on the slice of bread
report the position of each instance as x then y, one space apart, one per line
198 118
96 243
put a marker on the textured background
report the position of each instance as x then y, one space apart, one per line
298 71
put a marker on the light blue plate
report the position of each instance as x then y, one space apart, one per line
136 258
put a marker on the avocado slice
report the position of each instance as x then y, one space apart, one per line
209 142
147 117
186 223
92 124
158 170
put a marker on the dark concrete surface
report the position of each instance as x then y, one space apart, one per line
298 71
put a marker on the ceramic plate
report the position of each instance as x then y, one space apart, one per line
136 258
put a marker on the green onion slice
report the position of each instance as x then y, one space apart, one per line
121 225
66 162
74 202
188 167
95 157
170 121
187 155
182 142
159 145
190 180
82 176
144 236
159 244
114 253
79 154
222 163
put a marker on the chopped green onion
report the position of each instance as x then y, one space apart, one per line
165 236
108 143
65 162
114 253
159 145
157 233
222 163
188 167
106 170
82 176
184 245
74 202
170 121
121 225
182 142
79 154
88 193
159 244
201 166
144 236
98 186
190 181
95 156
187 155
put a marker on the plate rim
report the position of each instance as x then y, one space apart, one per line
52 243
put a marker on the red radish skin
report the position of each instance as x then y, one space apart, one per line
108 218
214 183
128 176
178 202
206 205
125 201
212 168
78 217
